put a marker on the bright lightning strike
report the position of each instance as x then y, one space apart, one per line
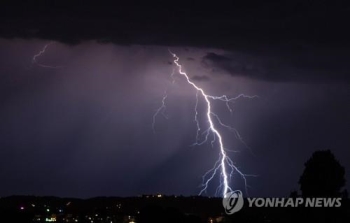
224 165
41 52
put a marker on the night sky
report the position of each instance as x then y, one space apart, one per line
84 128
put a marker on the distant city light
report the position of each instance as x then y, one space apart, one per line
22 208
50 219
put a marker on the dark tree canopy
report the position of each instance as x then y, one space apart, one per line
323 176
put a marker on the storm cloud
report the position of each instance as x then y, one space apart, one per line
309 66
85 129
298 42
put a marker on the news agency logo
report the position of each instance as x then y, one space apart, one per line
233 202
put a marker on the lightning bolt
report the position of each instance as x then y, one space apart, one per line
224 164
41 52
161 110
162 107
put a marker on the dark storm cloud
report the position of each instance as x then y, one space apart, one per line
307 36
86 129
304 66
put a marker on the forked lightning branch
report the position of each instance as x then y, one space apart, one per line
224 167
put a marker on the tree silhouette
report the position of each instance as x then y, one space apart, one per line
323 176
